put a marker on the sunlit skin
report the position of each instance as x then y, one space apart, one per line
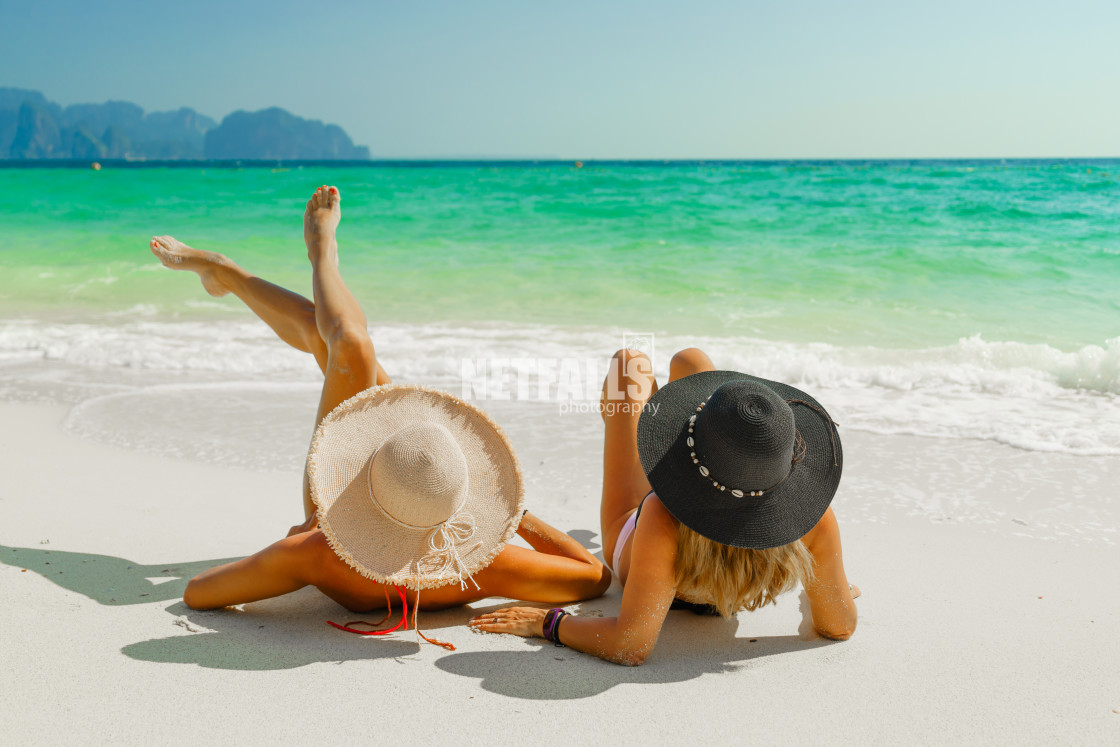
332 328
647 566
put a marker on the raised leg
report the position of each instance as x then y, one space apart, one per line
628 385
351 361
290 315
351 364
333 328
689 361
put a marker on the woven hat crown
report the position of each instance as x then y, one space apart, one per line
746 435
419 475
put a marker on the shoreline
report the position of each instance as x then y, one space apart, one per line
1028 396
967 633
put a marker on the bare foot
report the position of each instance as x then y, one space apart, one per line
321 221
176 255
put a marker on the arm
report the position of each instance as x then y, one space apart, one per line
558 570
630 637
830 596
546 538
280 568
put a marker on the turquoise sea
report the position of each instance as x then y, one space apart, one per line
950 298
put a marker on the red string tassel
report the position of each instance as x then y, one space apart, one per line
403 621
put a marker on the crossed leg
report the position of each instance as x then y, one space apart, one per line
629 384
332 328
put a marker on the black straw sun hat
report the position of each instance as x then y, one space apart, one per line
738 459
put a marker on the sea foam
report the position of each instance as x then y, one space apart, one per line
1031 396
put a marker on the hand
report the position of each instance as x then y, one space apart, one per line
855 591
523 621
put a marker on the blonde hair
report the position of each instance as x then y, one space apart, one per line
738 578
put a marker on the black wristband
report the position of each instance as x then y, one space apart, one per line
552 624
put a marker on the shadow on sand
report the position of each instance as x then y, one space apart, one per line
291 631
279 633
283 633
586 538
689 646
106 579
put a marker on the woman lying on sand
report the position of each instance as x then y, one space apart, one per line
716 493
405 487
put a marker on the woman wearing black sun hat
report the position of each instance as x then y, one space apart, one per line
731 476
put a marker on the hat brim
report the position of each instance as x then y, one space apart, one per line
362 534
780 516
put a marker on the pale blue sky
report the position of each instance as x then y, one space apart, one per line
606 79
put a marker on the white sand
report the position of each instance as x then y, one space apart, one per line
977 624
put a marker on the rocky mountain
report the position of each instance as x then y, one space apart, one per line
277 134
32 127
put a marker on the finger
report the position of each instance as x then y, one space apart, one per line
489 627
500 619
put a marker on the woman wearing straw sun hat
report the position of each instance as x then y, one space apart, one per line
407 488
716 493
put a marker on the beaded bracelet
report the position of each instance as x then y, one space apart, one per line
552 625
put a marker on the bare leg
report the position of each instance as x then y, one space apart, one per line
333 329
290 315
689 361
351 362
349 367
628 385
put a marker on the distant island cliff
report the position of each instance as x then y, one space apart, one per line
32 127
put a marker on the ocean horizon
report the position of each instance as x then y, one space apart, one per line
514 161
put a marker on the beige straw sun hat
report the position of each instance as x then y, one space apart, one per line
414 487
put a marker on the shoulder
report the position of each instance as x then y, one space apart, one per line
655 515
656 532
